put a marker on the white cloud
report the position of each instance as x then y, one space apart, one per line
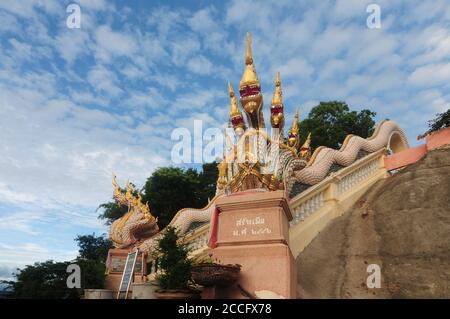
73 44
95 5
184 47
200 65
296 68
112 43
103 79
19 255
431 74
129 77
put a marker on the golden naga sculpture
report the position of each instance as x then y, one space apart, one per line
250 90
137 224
294 133
305 150
277 108
258 160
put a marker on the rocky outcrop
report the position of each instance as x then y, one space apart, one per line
401 224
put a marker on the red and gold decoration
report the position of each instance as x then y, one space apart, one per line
257 160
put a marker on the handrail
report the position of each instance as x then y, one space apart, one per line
314 208
317 195
329 191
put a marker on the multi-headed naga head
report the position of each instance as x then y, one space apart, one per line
250 90
236 118
257 159
293 137
277 108
305 150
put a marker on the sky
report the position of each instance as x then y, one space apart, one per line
77 104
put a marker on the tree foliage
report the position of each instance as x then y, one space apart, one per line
47 280
172 260
330 122
441 121
92 247
170 189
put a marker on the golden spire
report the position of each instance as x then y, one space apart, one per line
294 129
236 118
277 94
249 77
248 49
234 109
307 142
305 150
293 138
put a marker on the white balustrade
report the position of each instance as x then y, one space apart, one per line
314 203
199 242
307 208
357 177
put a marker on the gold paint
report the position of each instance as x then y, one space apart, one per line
293 139
133 202
249 77
277 100
277 94
305 150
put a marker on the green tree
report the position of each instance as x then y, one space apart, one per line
208 179
92 247
172 260
170 189
92 255
48 279
45 280
330 122
441 121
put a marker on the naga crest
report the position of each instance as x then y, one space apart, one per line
277 108
138 223
258 160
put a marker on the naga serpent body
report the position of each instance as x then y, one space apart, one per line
286 163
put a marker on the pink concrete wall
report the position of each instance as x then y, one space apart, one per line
438 138
412 155
405 158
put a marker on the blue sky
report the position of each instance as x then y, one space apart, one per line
79 104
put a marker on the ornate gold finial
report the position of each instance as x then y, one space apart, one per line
249 77
294 128
305 150
293 138
277 94
248 49
277 108
234 109
250 91
236 118
117 193
134 202
129 193
308 140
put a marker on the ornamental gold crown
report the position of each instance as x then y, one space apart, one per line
256 160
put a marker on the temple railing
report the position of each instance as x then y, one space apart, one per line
197 240
315 207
